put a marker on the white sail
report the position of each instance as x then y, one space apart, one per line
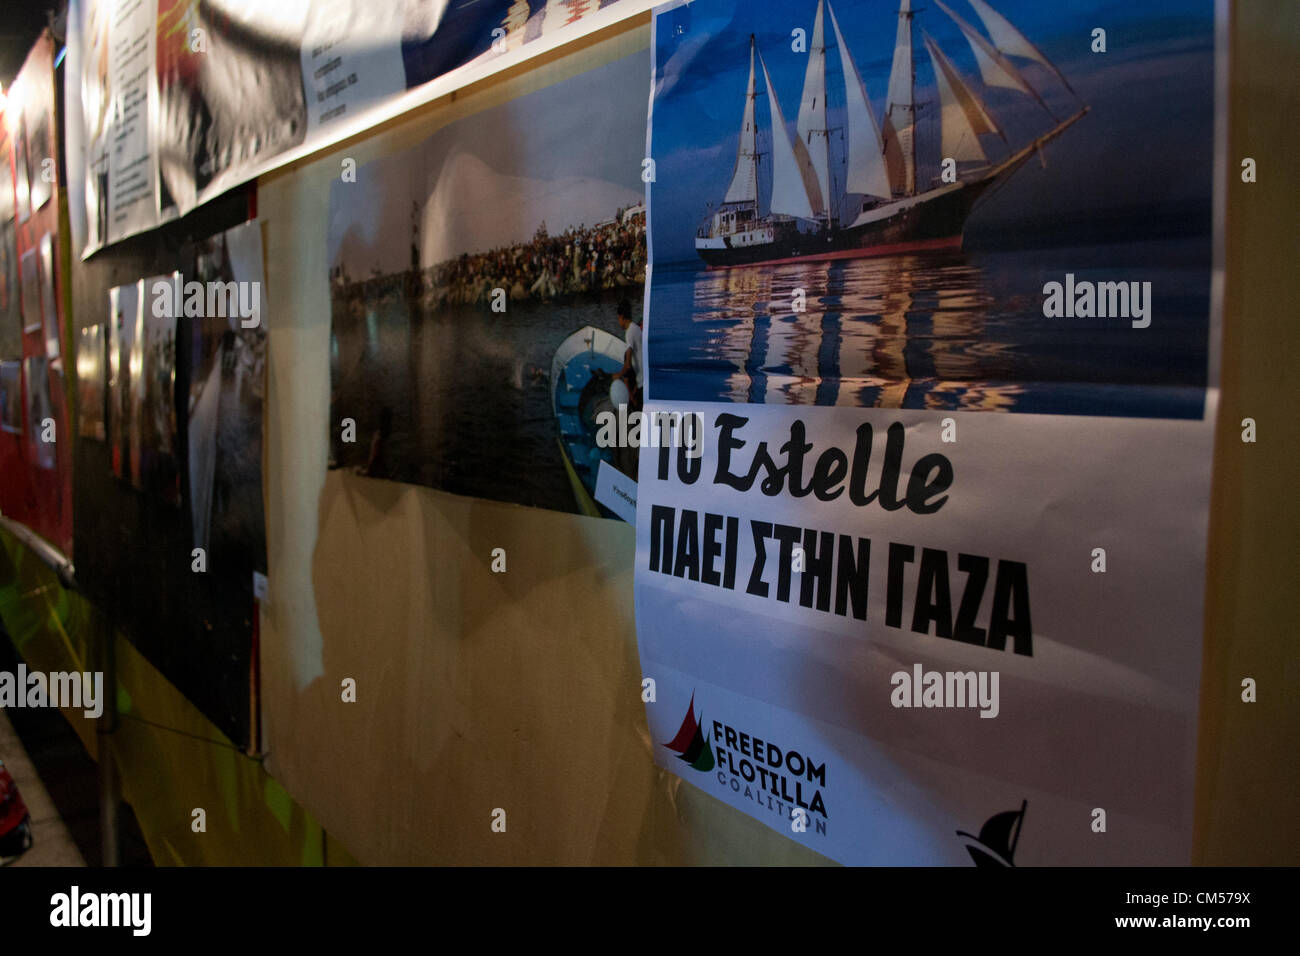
1007 39
794 183
899 113
866 152
995 68
744 181
963 115
812 110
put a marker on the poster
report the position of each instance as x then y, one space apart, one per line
98 109
122 142
228 96
91 382
227 392
124 319
924 583
437 41
476 282
11 397
352 57
49 302
155 461
40 149
40 413
22 183
355 57
31 292
183 100
11 316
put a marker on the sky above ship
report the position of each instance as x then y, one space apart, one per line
562 155
1143 153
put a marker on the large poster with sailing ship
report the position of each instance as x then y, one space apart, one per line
890 626
483 283
863 203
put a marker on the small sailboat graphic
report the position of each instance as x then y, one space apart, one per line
996 844
690 743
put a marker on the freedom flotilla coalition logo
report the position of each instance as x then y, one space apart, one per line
782 780
690 744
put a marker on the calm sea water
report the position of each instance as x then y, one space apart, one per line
468 391
963 330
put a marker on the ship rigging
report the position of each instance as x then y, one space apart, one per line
892 214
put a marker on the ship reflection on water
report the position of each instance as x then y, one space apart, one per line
870 334
944 331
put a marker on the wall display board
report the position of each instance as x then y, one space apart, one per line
36 470
475 281
939 283
182 100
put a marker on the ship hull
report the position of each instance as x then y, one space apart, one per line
924 224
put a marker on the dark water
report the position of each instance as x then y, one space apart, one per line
468 391
963 330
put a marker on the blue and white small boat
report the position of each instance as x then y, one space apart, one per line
581 372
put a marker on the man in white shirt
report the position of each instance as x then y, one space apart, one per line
631 372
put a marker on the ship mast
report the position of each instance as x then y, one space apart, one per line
744 177
865 159
900 109
812 124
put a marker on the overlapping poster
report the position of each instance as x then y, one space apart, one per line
124 320
49 301
920 573
38 114
227 394
117 95
11 397
11 316
31 291
181 100
155 456
476 283
40 432
22 169
91 382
